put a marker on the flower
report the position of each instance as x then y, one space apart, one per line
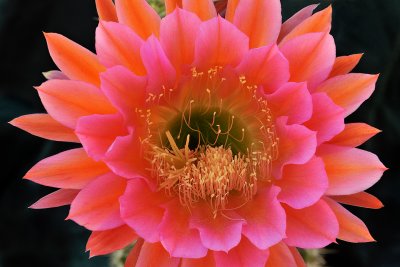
207 141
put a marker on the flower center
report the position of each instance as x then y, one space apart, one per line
212 139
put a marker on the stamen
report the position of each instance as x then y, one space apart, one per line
210 174
236 139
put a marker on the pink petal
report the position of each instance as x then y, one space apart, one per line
221 233
176 236
312 227
311 57
155 255
125 156
354 134
292 100
125 90
350 170
75 61
96 207
219 43
281 255
117 44
349 91
98 132
351 228
328 118
265 217
161 73
362 199
265 65
260 19
245 254
141 209
297 145
139 16
204 9
319 22
43 125
66 101
295 20
303 185
58 198
105 242
71 169
178 33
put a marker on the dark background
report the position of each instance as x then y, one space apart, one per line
41 238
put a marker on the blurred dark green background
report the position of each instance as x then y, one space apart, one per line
43 239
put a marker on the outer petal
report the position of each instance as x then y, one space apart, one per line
265 217
175 235
345 64
98 132
292 100
350 170
66 101
117 44
104 242
141 209
354 134
312 227
303 185
58 198
43 125
230 9
106 10
327 119
171 5
178 35
219 233
96 207
133 255
297 145
161 73
362 199
155 255
203 8
280 255
138 15
75 61
260 19
295 20
265 65
71 169
319 22
349 91
55 75
311 57
205 261
351 228
245 254
219 43
297 257
125 90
